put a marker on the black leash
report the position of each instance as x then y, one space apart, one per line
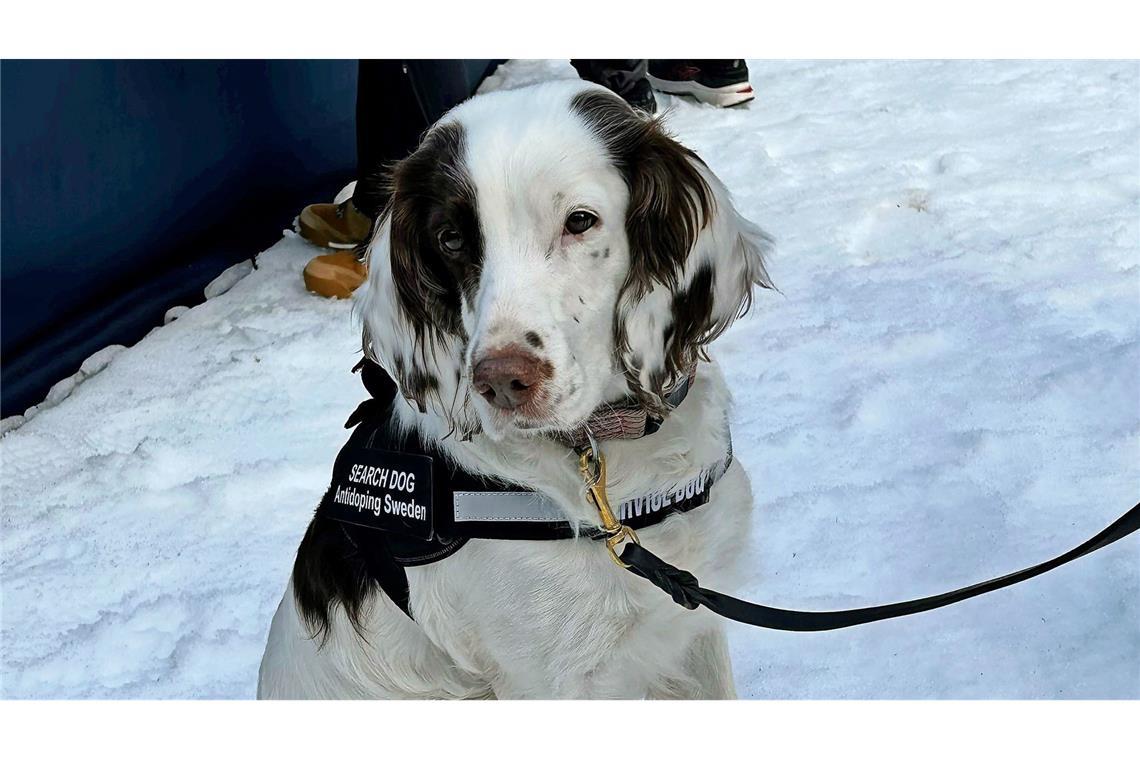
385 553
687 591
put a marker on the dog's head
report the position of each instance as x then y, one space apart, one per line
548 250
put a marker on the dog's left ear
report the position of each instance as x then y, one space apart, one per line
694 259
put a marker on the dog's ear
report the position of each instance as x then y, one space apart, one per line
693 259
411 305
426 292
669 204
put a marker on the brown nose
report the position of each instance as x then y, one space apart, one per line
510 377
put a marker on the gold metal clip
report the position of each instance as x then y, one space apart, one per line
592 465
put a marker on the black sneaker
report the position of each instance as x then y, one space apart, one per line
720 83
626 78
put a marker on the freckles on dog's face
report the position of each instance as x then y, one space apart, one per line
514 242
549 251
541 353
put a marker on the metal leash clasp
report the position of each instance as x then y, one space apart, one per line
592 465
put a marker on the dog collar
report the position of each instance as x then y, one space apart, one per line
396 482
629 419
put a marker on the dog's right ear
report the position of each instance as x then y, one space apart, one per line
413 325
425 289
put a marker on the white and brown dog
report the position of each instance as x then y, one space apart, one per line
547 253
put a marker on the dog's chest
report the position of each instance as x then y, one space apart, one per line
551 600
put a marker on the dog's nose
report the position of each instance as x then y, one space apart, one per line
510 377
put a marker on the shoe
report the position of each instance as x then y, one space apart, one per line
335 275
719 83
624 78
330 225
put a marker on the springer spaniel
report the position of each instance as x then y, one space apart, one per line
548 255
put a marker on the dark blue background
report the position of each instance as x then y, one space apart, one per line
128 185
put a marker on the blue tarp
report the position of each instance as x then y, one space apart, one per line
128 185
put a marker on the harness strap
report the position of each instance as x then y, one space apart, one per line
687 591
457 505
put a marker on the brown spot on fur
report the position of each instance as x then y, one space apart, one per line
686 337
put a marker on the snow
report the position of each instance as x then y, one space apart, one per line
345 193
61 390
946 389
227 279
173 313
98 361
11 423
521 72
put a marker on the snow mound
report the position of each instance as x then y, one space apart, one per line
173 313
11 423
62 389
227 279
522 72
98 361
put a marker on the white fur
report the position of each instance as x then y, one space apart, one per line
547 619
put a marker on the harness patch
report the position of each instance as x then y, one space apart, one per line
385 490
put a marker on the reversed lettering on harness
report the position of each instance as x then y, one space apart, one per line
386 490
695 488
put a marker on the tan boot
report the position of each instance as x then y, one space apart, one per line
334 225
335 275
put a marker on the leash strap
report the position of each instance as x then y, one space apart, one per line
687 591
386 557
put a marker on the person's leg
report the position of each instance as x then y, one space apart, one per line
626 78
389 122
396 101
417 93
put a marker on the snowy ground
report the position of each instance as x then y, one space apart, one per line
947 389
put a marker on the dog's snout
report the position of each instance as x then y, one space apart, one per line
510 378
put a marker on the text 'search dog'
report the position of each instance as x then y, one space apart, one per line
554 450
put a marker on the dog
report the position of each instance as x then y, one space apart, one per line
547 254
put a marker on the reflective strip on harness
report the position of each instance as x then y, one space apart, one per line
530 507
505 506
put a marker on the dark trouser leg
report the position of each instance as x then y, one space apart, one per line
396 101
620 76
624 77
389 122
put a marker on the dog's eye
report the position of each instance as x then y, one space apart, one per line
450 241
579 222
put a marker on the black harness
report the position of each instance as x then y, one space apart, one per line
426 507
397 503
